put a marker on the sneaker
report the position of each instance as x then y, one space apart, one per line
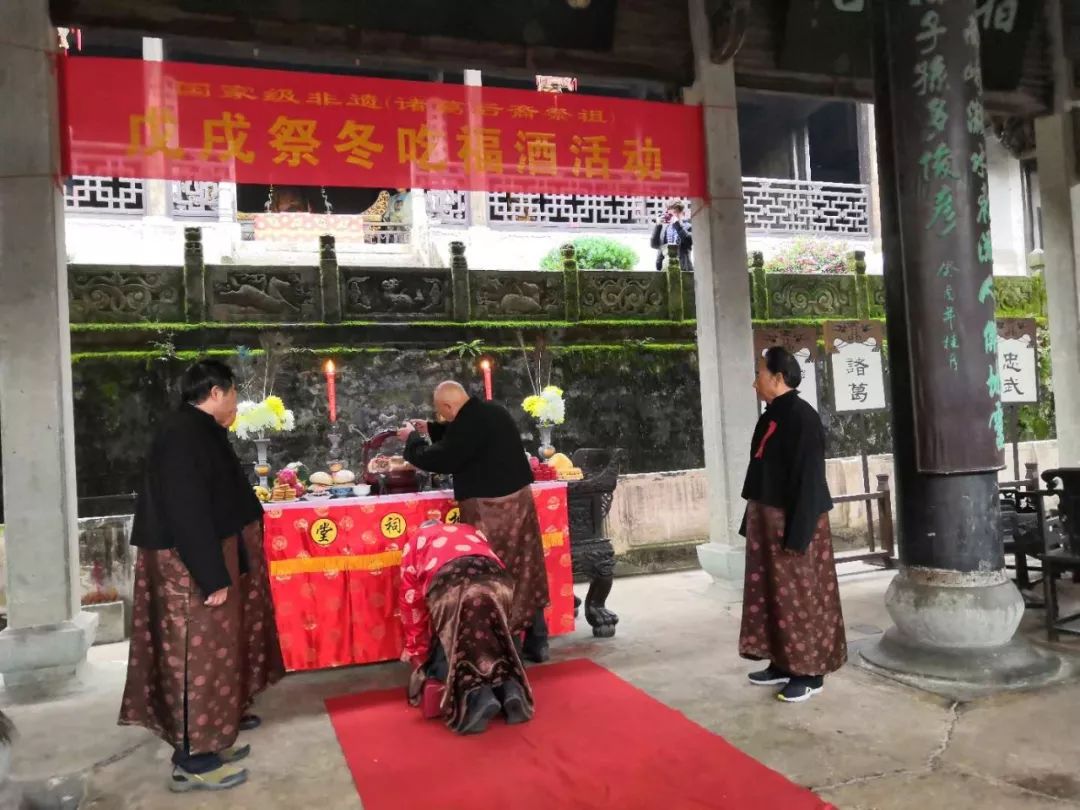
481 708
222 778
234 753
536 653
250 722
514 704
768 677
800 689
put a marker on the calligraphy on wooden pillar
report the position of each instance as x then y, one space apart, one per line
936 84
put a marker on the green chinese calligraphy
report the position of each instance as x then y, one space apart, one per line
947 269
932 31
940 162
997 422
931 76
984 204
999 14
950 296
951 342
938 116
986 289
986 248
993 382
978 161
944 211
976 117
973 74
990 337
949 317
954 362
971 32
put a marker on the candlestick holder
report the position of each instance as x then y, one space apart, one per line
335 463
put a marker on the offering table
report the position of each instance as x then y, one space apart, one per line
334 571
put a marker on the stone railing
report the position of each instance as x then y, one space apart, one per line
332 293
779 296
771 206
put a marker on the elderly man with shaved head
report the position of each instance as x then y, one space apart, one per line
478 443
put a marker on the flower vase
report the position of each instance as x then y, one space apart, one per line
546 449
262 466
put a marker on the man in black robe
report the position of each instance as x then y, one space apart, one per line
791 599
201 645
478 443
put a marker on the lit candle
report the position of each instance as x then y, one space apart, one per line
486 366
331 389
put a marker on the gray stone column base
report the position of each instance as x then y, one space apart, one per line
957 627
40 661
726 564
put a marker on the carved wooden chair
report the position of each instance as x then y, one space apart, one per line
593 554
1062 544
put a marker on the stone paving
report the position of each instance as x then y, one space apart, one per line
865 743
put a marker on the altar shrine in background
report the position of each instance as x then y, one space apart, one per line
334 571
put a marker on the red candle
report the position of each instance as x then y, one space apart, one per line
486 366
331 389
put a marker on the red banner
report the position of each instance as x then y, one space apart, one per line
173 120
334 572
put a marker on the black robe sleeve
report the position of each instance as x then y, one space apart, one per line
436 430
806 481
447 455
185 506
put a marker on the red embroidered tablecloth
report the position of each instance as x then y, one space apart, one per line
334 571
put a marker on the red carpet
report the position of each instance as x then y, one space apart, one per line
596 742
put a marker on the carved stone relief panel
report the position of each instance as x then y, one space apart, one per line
517 295
395 294
123 294
278 294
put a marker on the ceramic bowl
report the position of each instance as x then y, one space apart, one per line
362 490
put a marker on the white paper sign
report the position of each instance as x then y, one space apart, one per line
808 386
858 377
1018 367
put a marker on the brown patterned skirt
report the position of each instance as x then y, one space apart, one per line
513 531
193 669
791 602
262 664
469 600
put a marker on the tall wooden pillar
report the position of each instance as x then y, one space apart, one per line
955 611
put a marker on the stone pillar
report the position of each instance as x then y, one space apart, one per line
478 206
954 609
868 173
47 635
158 192
725 339
1058 143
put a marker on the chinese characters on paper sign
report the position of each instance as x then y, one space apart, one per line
1018 370
858 377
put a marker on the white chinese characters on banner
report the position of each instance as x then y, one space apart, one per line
1018 368
858 378
808 389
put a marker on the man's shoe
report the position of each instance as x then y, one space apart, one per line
537 653
223 778
801 688
514 703
249 722
768 677
481 707
234 753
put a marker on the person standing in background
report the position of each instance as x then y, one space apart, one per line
204 641
674 229
791 600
